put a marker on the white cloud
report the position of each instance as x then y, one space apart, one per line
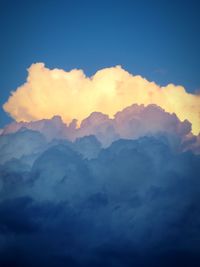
47 93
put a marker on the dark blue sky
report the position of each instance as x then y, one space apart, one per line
159 40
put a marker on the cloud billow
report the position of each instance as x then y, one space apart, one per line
130 123
135 203
101 171
72 95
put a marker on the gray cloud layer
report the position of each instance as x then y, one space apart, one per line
132 203
130 123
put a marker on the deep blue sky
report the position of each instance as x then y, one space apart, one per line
159 40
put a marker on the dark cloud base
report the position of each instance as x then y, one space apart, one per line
62 203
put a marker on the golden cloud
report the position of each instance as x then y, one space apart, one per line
71 94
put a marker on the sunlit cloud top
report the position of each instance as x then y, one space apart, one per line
71 94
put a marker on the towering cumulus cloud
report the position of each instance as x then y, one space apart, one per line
120 189
47 93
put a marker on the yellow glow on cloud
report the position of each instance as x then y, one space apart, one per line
73 95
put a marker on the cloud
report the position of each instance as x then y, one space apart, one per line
121 189
53 128
131 123
71 94
21 144
135 204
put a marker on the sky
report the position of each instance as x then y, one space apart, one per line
158 40
101 163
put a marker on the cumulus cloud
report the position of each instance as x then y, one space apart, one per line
21 144
131 123
135 204
117 187
71 94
